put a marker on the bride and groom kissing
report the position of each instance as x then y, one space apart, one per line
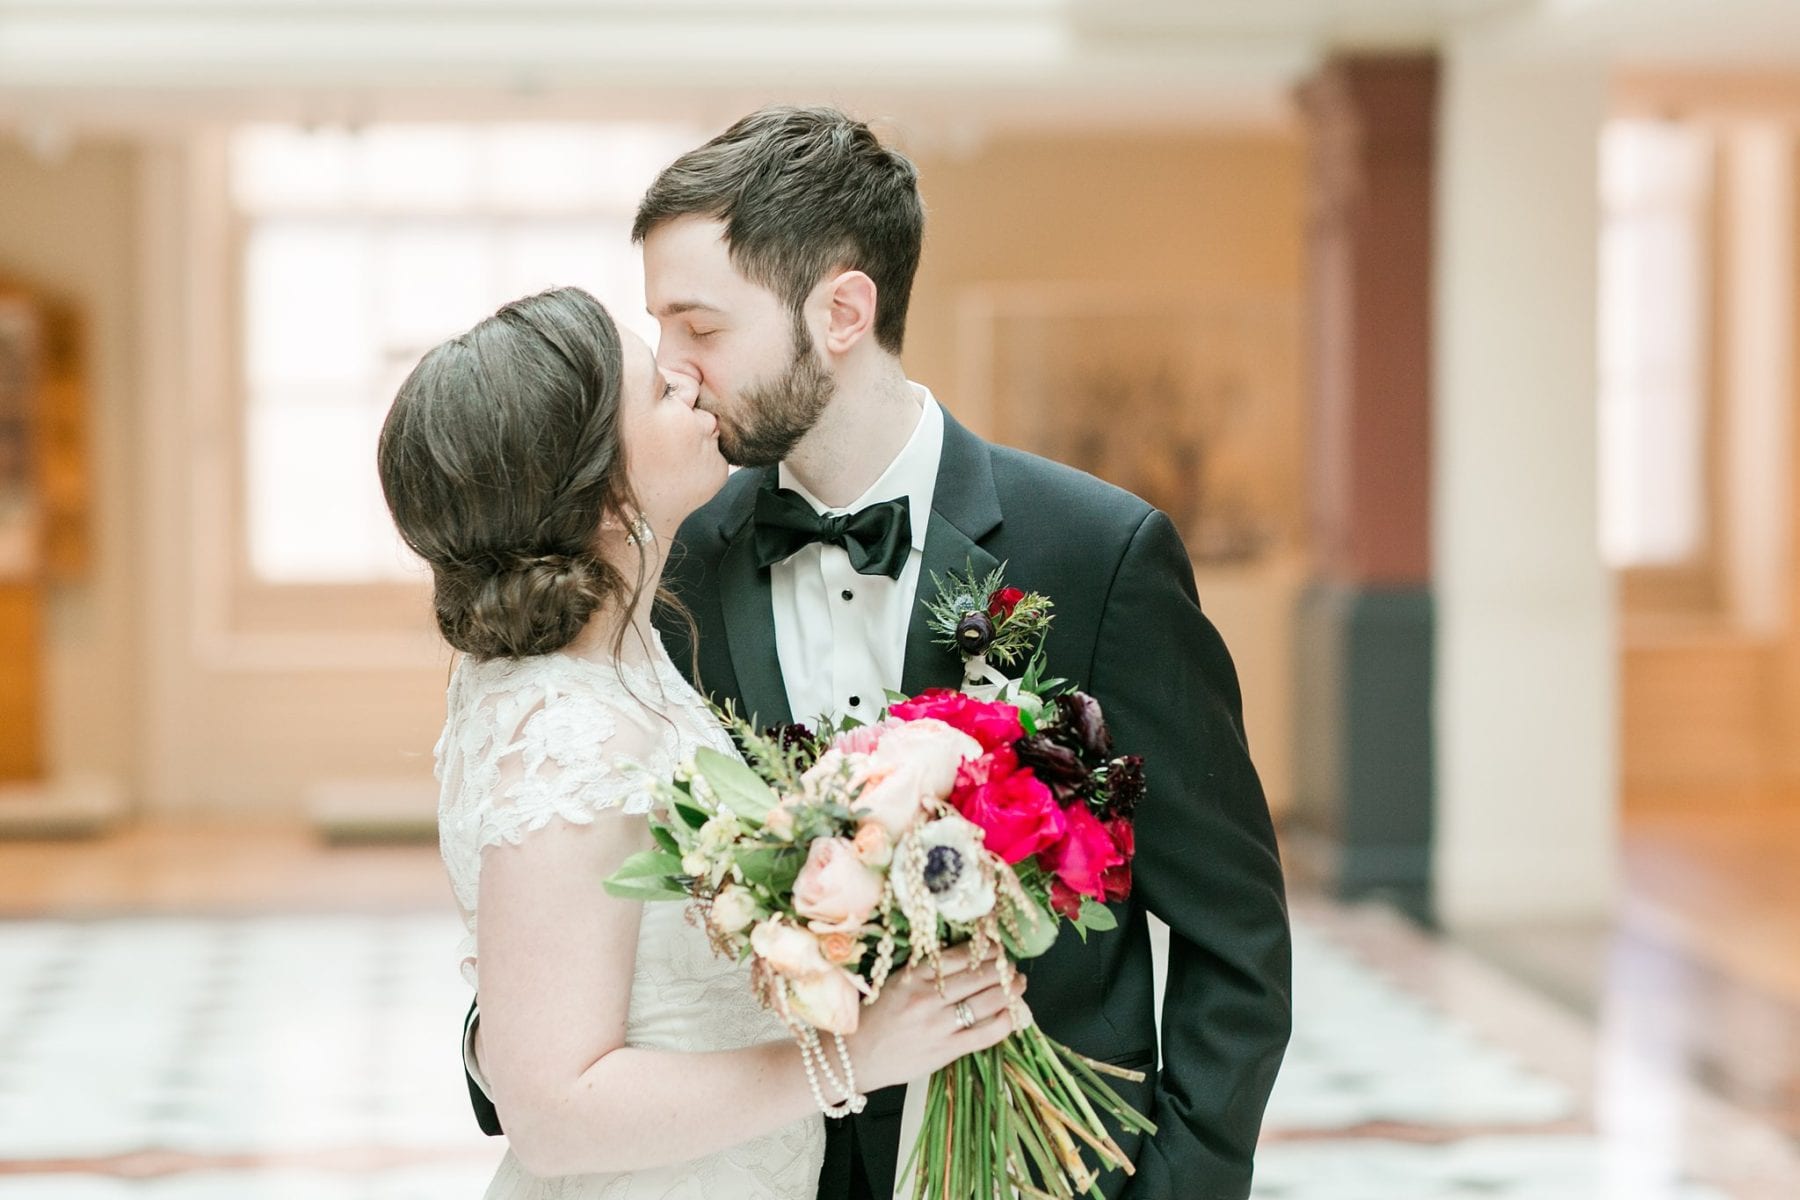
602 575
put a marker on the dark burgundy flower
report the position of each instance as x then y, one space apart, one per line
974 633
1002 602
1080 715
793 736
1124 786
1058 765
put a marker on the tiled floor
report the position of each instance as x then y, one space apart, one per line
310 1054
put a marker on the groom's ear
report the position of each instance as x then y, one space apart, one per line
850 315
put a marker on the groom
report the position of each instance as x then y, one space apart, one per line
779 258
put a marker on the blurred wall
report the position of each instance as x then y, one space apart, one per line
1710 708
247 720
1220 214
67 226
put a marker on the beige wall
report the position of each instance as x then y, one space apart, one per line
155 678
67 226
1214 212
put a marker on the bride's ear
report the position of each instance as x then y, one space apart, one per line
850 312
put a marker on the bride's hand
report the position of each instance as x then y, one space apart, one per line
912 1029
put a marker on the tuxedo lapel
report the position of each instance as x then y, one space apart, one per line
745 595
965 508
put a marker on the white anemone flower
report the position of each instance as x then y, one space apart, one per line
957 875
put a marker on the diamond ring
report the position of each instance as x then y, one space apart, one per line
965 1016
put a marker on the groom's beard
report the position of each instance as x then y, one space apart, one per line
777 413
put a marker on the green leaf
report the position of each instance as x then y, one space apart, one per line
691 816
647 875
1037 927
736 785
1096 917
773 869
665 838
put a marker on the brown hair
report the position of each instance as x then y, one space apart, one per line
803 191
499 459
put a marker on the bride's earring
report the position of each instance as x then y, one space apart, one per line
641 533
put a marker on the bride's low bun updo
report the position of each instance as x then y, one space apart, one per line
525 605
500 459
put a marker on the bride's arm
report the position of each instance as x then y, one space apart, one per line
556 968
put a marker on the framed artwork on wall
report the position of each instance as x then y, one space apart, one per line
1191 400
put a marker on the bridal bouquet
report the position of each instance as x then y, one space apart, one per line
830 857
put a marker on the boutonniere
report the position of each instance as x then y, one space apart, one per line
991 625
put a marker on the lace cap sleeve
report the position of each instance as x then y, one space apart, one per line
569 755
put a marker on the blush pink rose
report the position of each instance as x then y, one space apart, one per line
835 892
1085 853
990 723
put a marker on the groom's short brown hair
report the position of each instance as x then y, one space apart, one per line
802 192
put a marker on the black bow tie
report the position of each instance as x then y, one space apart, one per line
876 538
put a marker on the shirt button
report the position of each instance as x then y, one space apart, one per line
848 594
856 702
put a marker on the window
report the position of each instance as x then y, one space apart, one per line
1656 198
363 249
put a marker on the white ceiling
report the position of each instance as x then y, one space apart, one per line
943 64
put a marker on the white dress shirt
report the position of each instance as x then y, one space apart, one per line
840 636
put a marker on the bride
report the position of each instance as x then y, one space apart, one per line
540 463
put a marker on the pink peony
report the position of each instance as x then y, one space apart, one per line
835 891
1085 853
914 766
863 739
934 749
992 724
1013 807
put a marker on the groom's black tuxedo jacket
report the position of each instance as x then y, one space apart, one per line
1128 629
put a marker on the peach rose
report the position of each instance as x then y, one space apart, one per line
779 821
733 910
835 891
841 948
873 846
829 1001
789 950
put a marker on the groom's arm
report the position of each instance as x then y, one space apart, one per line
1206 864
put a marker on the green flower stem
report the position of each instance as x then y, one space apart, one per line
1028 1106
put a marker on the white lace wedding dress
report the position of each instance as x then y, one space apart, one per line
560 738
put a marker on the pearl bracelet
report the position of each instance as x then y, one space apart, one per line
813 1057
